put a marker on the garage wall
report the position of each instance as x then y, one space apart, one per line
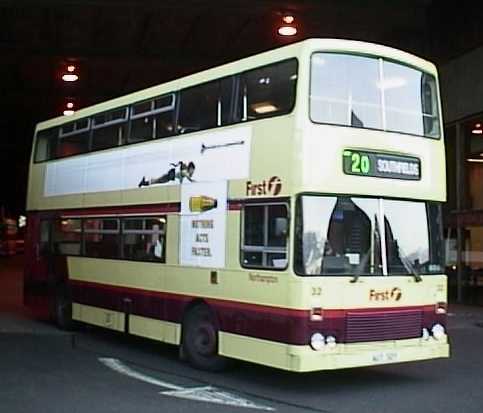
461 82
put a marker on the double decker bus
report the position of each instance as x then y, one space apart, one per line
283 209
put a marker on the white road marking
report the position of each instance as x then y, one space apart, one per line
207 394
116 365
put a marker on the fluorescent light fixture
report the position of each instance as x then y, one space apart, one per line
69 77
477 131
264 107
475 160
287 30
68 112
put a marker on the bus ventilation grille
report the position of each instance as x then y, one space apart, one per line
383 325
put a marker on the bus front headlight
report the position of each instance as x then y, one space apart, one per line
438 331
330 341
317 341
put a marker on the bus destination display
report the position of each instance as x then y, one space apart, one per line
381 165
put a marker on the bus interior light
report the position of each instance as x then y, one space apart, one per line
317 341
264 107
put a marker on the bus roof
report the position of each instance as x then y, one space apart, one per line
300 49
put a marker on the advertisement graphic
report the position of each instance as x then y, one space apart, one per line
203 224
206 157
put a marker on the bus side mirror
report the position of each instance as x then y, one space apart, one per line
281 226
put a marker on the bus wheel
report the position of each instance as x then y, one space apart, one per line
200 340
63 309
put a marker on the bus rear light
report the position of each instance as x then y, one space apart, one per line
316 314
441 308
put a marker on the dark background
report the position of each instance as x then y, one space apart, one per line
124 45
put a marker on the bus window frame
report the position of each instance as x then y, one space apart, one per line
234 120
119 235
283 201
375 197
384 59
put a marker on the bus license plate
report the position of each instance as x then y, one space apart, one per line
385 357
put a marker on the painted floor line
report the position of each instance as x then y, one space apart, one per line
116 365
207 394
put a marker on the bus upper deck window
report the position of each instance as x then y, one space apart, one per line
205 106
267 91
46 144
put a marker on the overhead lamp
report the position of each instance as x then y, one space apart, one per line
70 73
69 108
287 28
288 19
477 130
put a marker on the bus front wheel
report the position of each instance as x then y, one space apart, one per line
200 340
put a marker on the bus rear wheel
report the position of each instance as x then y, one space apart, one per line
200 340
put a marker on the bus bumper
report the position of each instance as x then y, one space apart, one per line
304 358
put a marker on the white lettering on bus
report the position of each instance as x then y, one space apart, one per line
397 167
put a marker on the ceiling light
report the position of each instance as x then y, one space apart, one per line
475 160
68 112
477 130
69 77
70 73
288 19
287 30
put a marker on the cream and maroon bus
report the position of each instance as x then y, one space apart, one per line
284 209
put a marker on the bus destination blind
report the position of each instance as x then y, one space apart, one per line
380 165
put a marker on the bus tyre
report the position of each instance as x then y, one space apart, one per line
63 310
200 340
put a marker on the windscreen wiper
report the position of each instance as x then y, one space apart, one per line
360 267
409 266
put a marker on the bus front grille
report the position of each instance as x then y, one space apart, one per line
383 325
